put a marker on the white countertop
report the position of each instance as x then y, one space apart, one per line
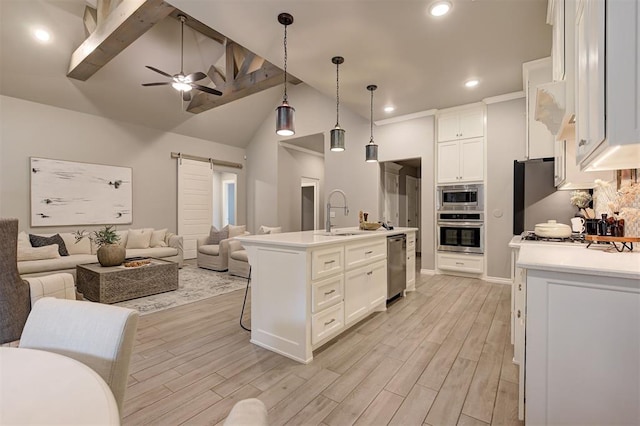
318 237
575 258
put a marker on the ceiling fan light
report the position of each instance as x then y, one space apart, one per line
182 87
284 119
371 153
337 139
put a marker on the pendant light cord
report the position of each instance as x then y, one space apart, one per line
371 140
284 98
337 95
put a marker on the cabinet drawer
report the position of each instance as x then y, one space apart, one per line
327 323
411 241
327 293
357 254
462 263
327 261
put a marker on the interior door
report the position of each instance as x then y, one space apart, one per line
195 206
391 189
413 206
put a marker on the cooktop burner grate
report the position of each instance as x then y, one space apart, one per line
574 238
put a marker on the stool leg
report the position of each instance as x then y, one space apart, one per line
246 291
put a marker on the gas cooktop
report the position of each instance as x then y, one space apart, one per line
574 238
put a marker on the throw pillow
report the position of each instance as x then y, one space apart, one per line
39 253
139 238
215 235
157 238
41 241
81 247
270 229
235 231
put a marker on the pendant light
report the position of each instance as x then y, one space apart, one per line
371 148
284 113
337 133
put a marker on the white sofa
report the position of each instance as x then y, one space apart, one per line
48 261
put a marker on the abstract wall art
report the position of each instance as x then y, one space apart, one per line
72 193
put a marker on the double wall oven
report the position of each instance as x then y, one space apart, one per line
460 220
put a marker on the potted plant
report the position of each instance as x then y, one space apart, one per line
110 253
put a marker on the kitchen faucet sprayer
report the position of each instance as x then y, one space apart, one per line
329 207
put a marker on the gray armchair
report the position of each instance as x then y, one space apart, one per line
15 302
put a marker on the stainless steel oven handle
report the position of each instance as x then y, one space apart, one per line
462 224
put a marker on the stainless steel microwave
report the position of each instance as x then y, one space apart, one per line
460 197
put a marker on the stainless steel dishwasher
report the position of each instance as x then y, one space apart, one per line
396 264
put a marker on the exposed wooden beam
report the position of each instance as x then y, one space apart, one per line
90 20
200 27
122 26
266 77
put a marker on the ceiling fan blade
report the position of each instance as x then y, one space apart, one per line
206 89
196 76
156 84
186 96
158 71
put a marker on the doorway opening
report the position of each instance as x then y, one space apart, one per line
309 204
224 202
401 189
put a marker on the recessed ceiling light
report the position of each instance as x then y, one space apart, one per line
389 108
440 8
42 35
471 83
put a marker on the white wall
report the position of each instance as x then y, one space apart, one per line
32 129
294 165
415 139
315 113
505 143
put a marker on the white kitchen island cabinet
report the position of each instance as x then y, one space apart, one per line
582 335
308 287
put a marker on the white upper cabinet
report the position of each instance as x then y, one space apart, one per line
607 84
462 124
539 140
460 147
461 161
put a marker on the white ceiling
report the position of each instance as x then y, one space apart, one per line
417 61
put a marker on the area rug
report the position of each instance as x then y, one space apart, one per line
193 284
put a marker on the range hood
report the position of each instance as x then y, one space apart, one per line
551 110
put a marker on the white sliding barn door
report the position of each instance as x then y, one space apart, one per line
195 194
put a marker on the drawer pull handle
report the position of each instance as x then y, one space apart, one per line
519 313
460 263
370 273
329 262
329 322
582 142
326 293
368 252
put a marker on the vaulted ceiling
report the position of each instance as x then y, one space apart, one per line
418 62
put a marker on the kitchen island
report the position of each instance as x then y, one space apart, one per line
577 333
308 287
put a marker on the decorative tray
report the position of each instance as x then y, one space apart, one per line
626 242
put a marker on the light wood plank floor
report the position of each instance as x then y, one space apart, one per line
440 356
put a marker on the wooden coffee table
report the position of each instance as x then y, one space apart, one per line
117 283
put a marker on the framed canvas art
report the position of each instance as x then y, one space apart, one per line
72 193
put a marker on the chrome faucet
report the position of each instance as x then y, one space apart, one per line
329 207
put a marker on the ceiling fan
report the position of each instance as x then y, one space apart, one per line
181 82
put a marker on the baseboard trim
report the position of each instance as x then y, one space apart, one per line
427 272
499 280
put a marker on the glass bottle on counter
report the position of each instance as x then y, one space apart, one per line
603 226
618 229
